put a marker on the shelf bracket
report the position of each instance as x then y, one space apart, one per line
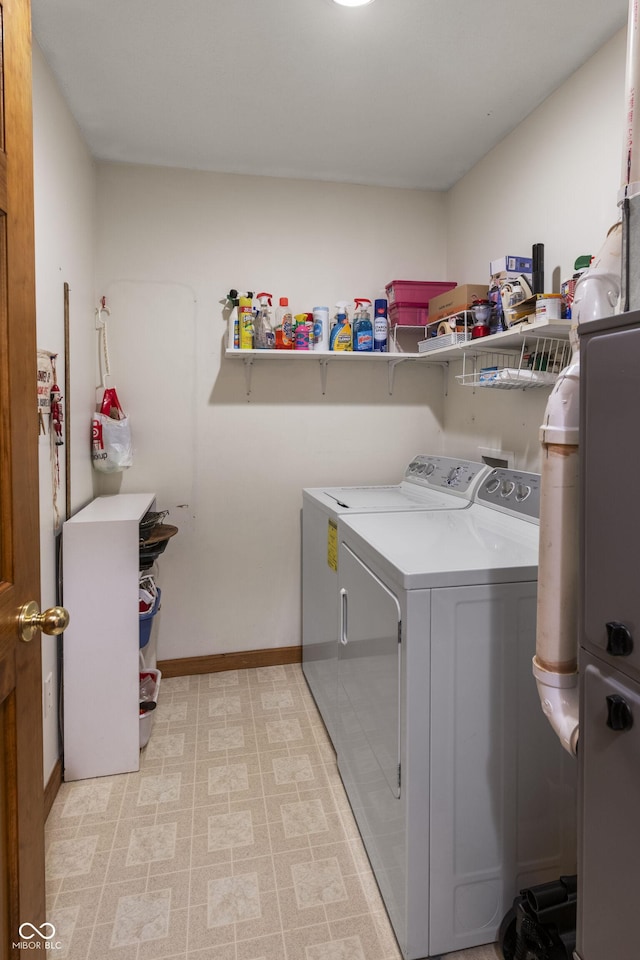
391 370
324 363
248 371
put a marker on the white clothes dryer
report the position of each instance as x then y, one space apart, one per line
461 791
429 483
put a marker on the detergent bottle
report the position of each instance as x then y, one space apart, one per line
263 335
362 326
380 326
302 331
245 321
284 326
341 332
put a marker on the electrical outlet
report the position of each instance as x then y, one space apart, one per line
48 695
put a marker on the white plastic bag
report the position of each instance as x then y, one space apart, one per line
111 448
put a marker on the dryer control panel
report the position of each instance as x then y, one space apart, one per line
511 491
446 473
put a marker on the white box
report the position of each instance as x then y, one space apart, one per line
511 264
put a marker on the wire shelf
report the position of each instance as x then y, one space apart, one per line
536 365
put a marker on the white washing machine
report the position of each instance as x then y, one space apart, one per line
430 483
461 791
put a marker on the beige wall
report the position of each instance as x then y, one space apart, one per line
64 234
230 467
554 180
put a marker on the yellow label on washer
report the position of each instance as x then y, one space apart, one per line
332 545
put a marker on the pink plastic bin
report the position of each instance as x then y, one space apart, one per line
409 314
403 292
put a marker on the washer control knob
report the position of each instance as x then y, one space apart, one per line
453 477
492 485
522 492
430 468
619 715
619 639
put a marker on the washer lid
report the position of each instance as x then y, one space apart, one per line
401 496
444 548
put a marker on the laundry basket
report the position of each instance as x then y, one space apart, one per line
147 716
146 620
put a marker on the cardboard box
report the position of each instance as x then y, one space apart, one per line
460 298
511 264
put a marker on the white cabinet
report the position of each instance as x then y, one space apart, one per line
101 644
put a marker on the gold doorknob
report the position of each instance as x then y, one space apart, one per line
53 621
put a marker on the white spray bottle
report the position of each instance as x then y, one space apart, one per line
264 336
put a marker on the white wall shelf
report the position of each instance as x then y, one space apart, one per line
102 642
508 340
323 359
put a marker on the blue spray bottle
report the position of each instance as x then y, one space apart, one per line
362 326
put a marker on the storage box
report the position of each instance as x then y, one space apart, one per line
409 314
460 298
511 264
147 717
415 291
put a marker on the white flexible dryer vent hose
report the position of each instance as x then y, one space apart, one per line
555 663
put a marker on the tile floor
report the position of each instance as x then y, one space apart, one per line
234 841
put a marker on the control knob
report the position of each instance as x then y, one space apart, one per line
619 715
619 639
506 488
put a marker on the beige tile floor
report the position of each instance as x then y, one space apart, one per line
234 841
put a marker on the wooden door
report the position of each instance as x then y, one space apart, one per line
21 774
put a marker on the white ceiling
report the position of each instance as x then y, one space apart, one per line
408 93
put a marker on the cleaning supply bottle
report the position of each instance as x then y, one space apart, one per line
380 326
284 326
245 321
321 328
362 326
231 304
341 332
263 336
303 331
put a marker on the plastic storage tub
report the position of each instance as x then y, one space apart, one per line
146 620
409 314
147 717
415 291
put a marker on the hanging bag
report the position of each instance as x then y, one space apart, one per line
111 449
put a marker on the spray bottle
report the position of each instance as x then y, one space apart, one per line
380 326
284 326
245 321
340 338
231 305
362 326
264 337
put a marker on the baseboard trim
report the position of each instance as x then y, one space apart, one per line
52 787
217 663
